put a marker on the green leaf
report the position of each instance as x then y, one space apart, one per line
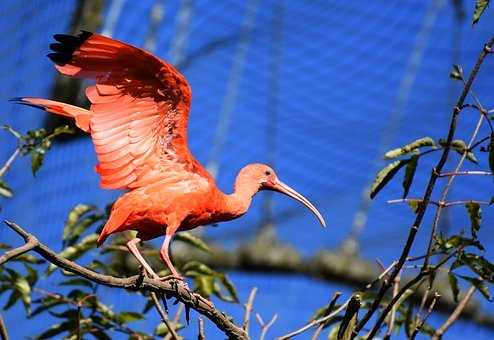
5 191
456 73
193 240
491 154
479 285
453 283
475 214
416 144
58 329
61 130
37 157
409 174
460 147
79 221
480 6
9 129
126 317
230 288
479 265
385 175
162 329
349 319
414 204
457 240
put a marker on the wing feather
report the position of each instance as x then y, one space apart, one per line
138 115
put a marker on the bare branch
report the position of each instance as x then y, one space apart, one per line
248 309
32 242
139 283
391 324
313 323
265 327
163 315
3 330
455 315
9 162
201 335
466 173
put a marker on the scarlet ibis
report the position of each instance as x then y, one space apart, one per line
138 123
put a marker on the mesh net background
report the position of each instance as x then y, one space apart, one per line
319 89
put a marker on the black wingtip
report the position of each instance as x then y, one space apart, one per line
22 101
66 45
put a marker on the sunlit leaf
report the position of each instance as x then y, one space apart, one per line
5 190
479 285
79 221
414 204
460 147
480 6
385 175
193 240
162 329
419 143
349 319
475 214
409 174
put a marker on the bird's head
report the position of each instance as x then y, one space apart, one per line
265 178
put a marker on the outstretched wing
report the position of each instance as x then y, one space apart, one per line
139 112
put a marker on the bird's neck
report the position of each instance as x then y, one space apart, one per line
238 202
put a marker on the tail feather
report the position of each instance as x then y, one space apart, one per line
81 116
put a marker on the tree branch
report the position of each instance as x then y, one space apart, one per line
139 283
455 315
428 192
3 330
248 309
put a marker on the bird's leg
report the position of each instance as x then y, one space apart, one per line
132 246
164 253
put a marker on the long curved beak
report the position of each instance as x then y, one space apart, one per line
287 190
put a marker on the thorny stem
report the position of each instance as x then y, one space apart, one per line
427 195
9 162
201 335
455 315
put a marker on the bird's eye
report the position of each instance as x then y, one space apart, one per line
267 173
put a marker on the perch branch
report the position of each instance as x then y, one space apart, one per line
248 309
139 283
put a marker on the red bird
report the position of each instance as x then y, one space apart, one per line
138 123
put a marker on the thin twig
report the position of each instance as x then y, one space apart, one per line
265 327
328 310
383 273
427 195
163 315
248 309
138 283
466 173
11 254
438 203
316 322
391 324
421 322
455 315
3 330
9 162
201 335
